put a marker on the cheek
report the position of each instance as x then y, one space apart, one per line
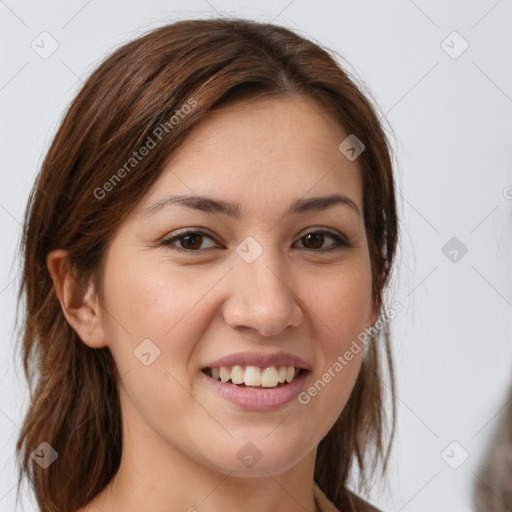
342 312
165 307
348 311
342 306
171 308
153 303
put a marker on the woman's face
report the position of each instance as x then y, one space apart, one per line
251 293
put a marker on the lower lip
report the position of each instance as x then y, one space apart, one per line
258 399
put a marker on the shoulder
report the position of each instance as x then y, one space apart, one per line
355 503
360 505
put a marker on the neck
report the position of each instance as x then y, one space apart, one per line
154 475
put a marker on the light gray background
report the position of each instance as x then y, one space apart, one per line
451 118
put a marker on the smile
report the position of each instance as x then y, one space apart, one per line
254 376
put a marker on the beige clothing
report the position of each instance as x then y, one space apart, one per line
325 505
322 501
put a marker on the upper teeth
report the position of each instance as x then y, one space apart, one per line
267 377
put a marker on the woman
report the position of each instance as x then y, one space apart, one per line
206 251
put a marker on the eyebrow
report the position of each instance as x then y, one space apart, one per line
232 209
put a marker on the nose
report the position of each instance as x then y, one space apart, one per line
262 298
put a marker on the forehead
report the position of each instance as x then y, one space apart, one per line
261 152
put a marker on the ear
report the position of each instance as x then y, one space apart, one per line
79 302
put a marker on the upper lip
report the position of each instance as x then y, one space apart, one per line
260 359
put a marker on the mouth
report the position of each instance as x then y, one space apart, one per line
258 381
255 376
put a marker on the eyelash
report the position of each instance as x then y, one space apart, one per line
169 241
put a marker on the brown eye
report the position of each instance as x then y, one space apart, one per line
315 240
189 241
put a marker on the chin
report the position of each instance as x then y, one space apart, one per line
259 454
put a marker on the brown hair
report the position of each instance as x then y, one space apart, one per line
74 404
492 487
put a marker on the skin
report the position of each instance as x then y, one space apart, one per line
180 438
